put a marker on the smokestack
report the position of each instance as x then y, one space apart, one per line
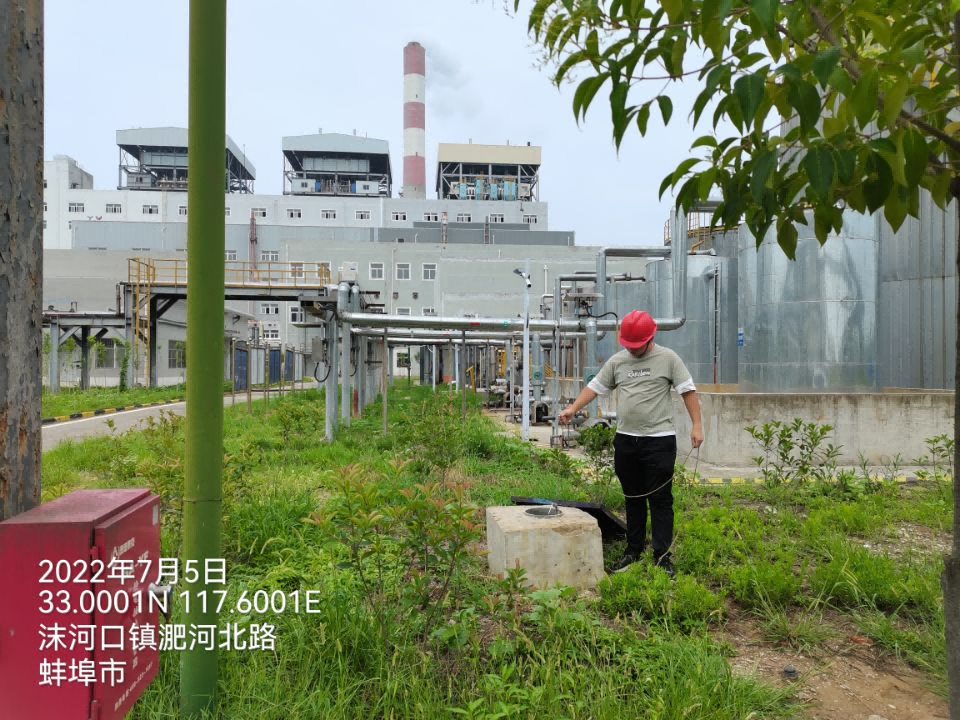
414 121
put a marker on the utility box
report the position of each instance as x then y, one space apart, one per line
68 646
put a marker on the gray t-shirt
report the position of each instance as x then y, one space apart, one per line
643 385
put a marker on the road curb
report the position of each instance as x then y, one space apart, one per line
736 480
106 411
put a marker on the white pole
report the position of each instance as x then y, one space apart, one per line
526 357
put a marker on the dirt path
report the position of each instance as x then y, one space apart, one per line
848 680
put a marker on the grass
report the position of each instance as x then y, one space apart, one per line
410 626
74 400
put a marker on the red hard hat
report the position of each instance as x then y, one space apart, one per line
637 329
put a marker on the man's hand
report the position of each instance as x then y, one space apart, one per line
566 415
696 436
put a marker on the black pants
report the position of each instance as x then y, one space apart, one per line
645 466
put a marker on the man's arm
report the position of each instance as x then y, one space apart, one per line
692 403
585 397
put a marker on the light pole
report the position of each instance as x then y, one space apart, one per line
525 432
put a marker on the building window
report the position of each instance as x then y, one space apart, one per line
431 217
110 357
113 208
530 219
44 184
75 207
403 311
182 211
398 216
429 271
268 308
429 311
45 207
44 224
296 270
226 212
259 212
296 314
495 217
230 255
403 271
151 210
294 213
464 217
271 331
323 272
176 354
328 214
376 271
362 215
270 255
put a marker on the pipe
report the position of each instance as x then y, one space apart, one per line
384 378
333 381
591 369
378 320
203 466
344 301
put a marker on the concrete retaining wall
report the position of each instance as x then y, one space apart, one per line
879 425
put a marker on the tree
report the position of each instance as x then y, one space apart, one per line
839 104
21 252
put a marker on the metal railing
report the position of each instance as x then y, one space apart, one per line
237 273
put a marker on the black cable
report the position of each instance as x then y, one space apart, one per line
319 381
603 315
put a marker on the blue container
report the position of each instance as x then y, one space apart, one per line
274 365
240 369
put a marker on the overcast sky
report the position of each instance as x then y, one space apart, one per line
295 66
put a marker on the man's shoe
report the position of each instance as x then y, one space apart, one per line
664 564
626 561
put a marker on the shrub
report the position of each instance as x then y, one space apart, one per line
648 592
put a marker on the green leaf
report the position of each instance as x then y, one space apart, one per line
879 26
765 11
878 182
787 238
884 145
895 208
706 182
618 112
584 94
704 141
573 59
846 165
865 97
915 156
699 104
824 64
819 166
749 91
806 101
763 167
593 44
893 100
822 223
643 117
682 169
667 182
666 107
676 55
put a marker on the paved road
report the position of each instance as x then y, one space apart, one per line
57 433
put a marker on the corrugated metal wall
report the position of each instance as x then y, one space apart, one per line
918 299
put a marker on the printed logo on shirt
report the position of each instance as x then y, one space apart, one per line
642 372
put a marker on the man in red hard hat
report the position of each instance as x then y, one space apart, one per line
645 446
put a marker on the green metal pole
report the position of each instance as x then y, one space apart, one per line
205 257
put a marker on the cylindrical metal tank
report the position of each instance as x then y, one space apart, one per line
810 324
707 341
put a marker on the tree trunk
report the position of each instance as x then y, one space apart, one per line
21 252
951 572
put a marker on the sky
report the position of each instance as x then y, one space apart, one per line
295 66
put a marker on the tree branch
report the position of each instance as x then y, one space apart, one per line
851 67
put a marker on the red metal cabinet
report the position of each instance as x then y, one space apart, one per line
51 594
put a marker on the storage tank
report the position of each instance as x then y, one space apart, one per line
810 324
707 341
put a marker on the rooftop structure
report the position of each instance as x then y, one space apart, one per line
336 164
488 172
156 159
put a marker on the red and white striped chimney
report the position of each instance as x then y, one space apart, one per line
414 121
